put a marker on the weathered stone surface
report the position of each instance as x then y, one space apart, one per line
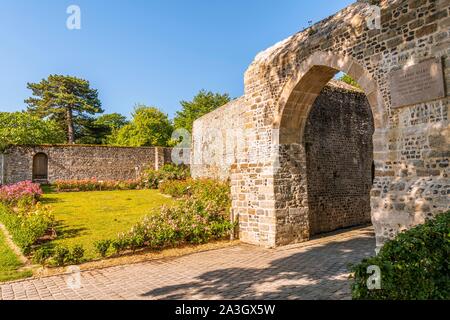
339 157
281 86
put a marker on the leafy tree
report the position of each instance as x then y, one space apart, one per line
203 103
113 121
349 80
102 129
149 127
24 128
64 99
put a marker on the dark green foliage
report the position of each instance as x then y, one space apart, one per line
203 189
120 244
67 100
42 255
102 247
413 266
101 130
77 254
61 255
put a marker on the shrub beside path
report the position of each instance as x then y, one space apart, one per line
13 246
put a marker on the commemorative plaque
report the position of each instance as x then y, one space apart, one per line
417 83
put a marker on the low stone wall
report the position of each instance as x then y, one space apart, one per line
75 162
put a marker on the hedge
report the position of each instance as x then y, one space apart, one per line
414 266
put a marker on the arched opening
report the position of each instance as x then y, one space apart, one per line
339 158
40 167
323 177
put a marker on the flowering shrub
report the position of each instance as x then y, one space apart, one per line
62 255
21 194
27 226
150 179
95 185
192 221
203 189
201 215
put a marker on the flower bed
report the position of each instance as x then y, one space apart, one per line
150 179
27 227
200 215
20 194
25 218
95 185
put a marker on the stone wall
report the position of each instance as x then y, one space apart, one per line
411 143
75 162
218 141
339 157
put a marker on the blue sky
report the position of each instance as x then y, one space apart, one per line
155 52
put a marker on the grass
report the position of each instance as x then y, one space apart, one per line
10 263
85 217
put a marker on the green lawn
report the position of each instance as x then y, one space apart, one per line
85 217
9 263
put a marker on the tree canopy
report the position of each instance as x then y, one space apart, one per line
203 103
149 127
67 100
24 128
101 130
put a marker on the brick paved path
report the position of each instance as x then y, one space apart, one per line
312 270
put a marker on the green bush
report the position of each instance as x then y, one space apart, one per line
61 255
176 189
151 179
202 189
102 247
76 255
120 244
27 228
413 266
42 255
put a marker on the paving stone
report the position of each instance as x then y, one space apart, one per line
315 271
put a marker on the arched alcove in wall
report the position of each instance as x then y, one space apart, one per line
40 167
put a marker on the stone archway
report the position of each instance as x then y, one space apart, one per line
291 196
257 141
339 159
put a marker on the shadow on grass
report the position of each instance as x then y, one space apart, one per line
48 189
319 272
66 232
46 200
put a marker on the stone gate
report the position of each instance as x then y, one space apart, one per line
398 52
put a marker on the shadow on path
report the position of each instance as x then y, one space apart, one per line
318 272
